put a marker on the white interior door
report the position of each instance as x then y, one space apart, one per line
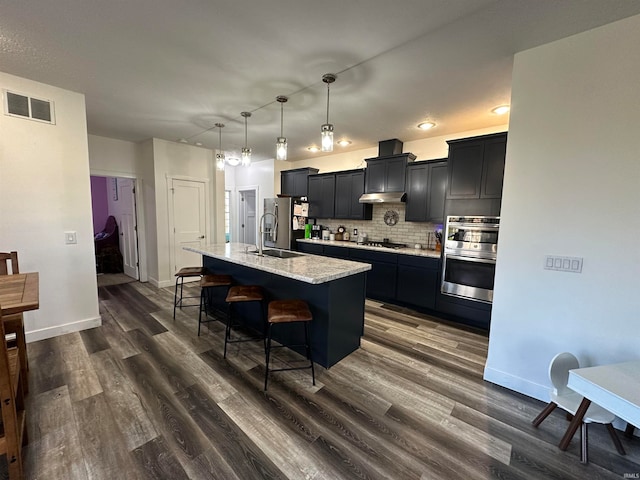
127 224
189 215
248 216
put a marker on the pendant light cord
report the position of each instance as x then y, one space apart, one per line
328 90
281 118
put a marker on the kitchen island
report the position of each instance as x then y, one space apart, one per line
333 288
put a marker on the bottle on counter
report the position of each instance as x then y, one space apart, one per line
355 235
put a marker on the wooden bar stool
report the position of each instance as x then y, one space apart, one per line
186 272
241 294
289 311
208 282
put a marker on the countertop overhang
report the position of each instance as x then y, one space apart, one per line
306 268
347 244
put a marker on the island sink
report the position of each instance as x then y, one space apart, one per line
280 253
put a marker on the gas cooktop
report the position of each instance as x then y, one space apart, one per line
385 244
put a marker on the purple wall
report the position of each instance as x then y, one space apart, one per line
99 203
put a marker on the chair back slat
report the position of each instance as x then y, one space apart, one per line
5 260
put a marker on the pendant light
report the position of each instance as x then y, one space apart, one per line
327 128
246 151
220 154
281 143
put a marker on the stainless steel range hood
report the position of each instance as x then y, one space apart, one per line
383 197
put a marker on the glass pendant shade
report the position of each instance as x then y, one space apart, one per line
281 148
327 137
246 157
220 161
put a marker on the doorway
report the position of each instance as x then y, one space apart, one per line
247 216
116 197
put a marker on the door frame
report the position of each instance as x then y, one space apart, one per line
239 190
143 272
171 217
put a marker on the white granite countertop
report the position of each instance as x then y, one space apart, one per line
305 268
404 251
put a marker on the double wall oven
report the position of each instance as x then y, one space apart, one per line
469 261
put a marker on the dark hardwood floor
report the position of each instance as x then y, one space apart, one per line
143 397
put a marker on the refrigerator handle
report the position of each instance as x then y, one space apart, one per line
274 230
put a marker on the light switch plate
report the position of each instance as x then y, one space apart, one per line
70 238
563 264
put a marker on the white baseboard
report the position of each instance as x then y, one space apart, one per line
57 330
161 284
517 384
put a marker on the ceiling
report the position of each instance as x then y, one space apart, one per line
171 69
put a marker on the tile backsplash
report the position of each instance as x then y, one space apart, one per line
376 229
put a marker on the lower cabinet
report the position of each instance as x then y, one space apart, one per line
418 280
381 279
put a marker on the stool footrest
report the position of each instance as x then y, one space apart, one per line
289 369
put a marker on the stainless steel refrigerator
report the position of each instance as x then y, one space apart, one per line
290 216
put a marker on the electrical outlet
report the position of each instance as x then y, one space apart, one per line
70 238
563 264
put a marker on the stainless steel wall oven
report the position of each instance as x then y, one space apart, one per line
470 250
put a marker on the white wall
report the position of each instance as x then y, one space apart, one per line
45 191
571 188
109 157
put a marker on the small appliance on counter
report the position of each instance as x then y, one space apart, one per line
316 232
363 238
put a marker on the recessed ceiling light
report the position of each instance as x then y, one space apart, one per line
426 125
344 143
198 144
313 149
233 161
501 110
182 140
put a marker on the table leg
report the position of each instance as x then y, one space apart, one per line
575 423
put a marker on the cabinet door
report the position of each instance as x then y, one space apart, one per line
436 192
375 177
465 170
493 169
327 199
343 195
315 196
300 188
417 178
395 172
313 248
286 183
417 286
359 211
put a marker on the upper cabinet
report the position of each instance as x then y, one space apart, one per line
321 195
476 167
387 174
294 182
426 188
349 188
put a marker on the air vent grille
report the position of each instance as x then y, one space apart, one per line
27 107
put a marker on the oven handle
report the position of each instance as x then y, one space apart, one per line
469 259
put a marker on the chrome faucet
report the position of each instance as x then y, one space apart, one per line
273 231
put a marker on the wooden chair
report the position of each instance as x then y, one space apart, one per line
12 406
562 396
14 324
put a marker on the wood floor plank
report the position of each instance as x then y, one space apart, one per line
142 396
157 462
239 450
128 412
103 445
